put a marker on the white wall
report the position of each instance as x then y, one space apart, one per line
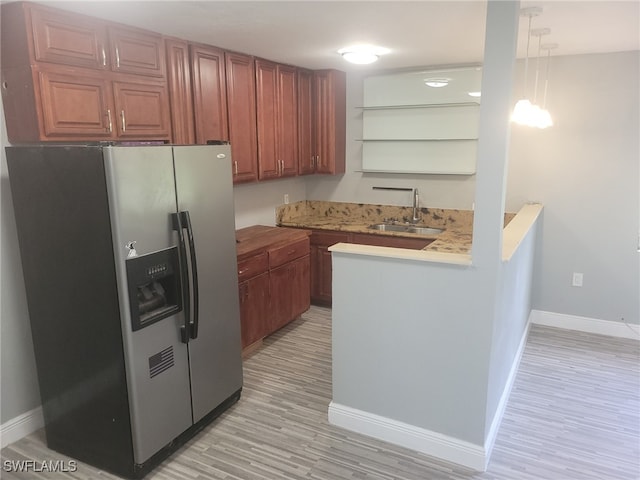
585 170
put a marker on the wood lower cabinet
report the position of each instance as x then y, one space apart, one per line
321 267
274 279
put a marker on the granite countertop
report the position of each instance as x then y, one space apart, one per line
357 217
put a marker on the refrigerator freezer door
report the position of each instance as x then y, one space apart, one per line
140 183
205 190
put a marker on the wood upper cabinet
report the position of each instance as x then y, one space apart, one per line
288 120
306 124
69 77
209 93
73 39
266 116
142 110
241 104
68 38
276 107
180 93
330 121
321 121
76 106
136 51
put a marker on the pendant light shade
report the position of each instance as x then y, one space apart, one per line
522 108
525 111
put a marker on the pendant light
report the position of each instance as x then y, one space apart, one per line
546 120
521 111
535 116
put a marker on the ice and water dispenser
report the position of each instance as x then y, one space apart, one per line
154 287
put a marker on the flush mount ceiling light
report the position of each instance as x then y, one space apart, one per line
437 82
362 54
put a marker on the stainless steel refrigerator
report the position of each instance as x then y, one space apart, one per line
129 262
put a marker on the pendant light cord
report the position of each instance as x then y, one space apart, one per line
526 60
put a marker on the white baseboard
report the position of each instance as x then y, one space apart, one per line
21 426
504 398
585 324
398 433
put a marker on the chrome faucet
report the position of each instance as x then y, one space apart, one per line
416 206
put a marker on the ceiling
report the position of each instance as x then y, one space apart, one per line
419 33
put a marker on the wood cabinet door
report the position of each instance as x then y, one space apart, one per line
287 138
330 121
306 124
142 110
180 97
301 284
241 103
276 106
209 94
280 282
68 38
254 309
267 119
321 268
75 107
136 51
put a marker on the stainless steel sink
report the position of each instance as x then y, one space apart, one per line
395 227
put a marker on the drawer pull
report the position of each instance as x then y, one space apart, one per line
243 271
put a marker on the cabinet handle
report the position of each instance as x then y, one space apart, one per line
117 58
235 167
109 118
124 123
240 272
104 57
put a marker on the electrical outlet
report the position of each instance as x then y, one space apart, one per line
577 279
286 198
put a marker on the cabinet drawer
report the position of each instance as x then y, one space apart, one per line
281 255
252 266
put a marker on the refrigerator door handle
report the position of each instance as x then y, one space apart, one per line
186 223
186 297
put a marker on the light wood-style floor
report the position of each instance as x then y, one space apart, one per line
574 413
